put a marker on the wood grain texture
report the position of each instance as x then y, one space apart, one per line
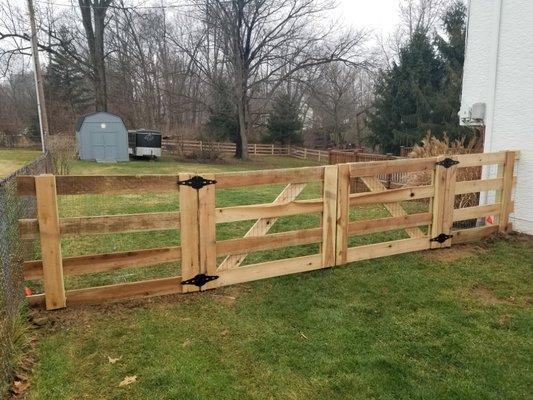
474 160
270 269
373 168
369 251
449 200
207 231
392 195
268 177
102 224
439 182
190 234
52 263
267 242
386 224
473 234
94 263
272 210
106 184
462 214
343 213
121 291
329 216
506 193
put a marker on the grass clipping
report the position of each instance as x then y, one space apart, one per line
432 147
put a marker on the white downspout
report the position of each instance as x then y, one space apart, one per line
491 171
493 74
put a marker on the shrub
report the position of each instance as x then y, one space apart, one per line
62 148
208 153
431 147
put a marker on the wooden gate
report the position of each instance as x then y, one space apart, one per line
203 270
419 215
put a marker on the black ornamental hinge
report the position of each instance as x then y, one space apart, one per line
447 162
197 182
200 280
441 238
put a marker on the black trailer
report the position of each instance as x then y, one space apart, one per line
144 143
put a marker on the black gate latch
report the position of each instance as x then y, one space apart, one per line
447 162
200 280
197 182
441 238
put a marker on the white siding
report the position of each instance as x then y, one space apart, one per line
499 72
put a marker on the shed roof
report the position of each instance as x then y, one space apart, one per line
81 119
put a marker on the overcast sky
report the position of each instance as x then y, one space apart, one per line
379 15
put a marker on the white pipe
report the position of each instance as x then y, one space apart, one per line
493 74
491 171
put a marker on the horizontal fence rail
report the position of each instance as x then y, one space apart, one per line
417 214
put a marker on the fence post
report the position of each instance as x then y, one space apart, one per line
505 197
343 208
305 153
207 230
255 149
48 217
189 233
329 218
389 176
272 148
443 202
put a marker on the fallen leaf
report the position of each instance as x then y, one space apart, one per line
187 343
128 381
224 332
19 387
114 360
302 335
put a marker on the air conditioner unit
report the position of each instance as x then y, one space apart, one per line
474 116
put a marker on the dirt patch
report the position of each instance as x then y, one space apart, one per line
485 295
455 253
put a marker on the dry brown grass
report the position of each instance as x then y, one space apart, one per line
432 147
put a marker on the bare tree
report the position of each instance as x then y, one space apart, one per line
264 42
93 15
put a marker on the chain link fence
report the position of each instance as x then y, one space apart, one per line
12 253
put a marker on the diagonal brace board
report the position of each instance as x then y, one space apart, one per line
263 225
395 209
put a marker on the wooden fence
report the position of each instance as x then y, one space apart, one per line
208 263
254 149
346 156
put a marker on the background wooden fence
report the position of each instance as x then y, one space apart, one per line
254 149
209 263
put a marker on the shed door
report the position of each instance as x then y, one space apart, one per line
104 145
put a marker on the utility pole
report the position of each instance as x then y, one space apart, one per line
43 117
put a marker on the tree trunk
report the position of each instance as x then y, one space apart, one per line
242 139
95 42
100 84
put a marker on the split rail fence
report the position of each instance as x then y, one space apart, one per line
254 149
423 213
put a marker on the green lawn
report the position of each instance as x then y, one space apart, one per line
447 324
13 159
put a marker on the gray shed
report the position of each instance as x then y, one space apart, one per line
102 136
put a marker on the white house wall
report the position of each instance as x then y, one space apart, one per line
499 72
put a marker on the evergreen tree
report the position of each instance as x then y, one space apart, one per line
223 120
451 50
65 82
421 92
406 97
284 122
